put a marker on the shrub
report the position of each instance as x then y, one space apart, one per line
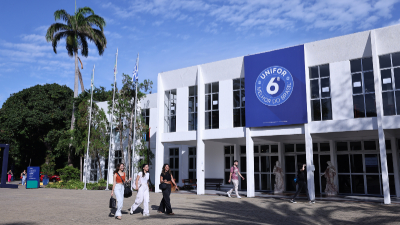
69 173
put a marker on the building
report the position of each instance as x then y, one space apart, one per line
332 100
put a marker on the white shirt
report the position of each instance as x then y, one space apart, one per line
143 180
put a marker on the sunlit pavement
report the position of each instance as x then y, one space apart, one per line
59 206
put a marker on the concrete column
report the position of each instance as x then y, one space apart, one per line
310 163
395 165
200 157
332 147
281 158
159 156
379 116
250 164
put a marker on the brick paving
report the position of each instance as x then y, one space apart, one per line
59 206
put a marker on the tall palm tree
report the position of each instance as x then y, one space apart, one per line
84 25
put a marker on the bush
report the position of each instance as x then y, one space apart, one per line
69 173
77 185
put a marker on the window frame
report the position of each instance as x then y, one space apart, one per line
211 110
195 109
241 107
394 90
320 98
169 117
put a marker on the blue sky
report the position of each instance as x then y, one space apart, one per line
171 34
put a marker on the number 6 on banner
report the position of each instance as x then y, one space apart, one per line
275 85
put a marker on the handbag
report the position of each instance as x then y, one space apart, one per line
163 186
113 202
127 188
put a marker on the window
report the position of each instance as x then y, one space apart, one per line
118 157
264 161
229 157
211 107
174 162
146 118
192 163
93 170
105 168
170 111
294 154
320 93
390 78
362 75
239 119
193 108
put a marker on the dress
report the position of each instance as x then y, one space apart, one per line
143 194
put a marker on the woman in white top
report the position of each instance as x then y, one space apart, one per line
143 193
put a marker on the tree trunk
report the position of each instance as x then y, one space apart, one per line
76 86
80 167
98 162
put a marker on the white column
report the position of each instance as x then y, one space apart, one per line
281 158
395 165
250 164
332 147
309 162
379 116
200 154
159 156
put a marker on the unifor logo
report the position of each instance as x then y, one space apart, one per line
274 85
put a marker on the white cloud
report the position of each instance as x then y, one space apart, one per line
157 23
33 38
112 34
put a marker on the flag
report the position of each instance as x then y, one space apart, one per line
92 81
135 74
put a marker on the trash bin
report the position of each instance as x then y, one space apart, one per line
45 180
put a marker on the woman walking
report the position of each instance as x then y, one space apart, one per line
167 178
118 186
143 193
23 175
10 174
302 183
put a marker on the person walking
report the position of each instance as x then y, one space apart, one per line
143 193
23 175
167 178
235 179
118 186
301 183
10 174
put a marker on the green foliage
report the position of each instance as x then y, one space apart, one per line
69 173
78 185
34 121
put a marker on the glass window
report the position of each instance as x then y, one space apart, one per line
211 106
192 123
174 162
390 80
170 111
320 93
146 119
238 103
364 104
384 61
289 147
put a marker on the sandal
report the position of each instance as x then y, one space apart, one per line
159 212
118 218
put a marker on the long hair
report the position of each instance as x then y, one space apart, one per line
118 166
163 169
299 167
143 174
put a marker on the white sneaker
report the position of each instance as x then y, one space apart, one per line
229 195
239 197
131 212
146 214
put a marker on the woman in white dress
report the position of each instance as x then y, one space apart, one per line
143 193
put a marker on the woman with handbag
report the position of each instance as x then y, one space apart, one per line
143 193
118 186
166 179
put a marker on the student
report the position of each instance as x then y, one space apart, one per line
118 186
167 178
143 193
10 174
23 175
301 182
235 179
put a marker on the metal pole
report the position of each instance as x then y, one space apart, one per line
111 119
90 121
134 121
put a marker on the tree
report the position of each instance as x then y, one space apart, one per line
79 28
98 146
35 121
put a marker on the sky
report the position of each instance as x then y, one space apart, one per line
170 34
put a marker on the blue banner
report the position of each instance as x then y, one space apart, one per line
33 178
275 88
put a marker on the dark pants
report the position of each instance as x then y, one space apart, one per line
165 201
301 185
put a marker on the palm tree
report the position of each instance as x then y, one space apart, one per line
77 30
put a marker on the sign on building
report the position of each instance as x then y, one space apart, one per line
275 88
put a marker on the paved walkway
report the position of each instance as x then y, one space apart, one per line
58 206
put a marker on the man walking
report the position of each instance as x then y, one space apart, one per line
235 178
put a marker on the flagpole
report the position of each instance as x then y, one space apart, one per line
134 122
111 119
90 121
